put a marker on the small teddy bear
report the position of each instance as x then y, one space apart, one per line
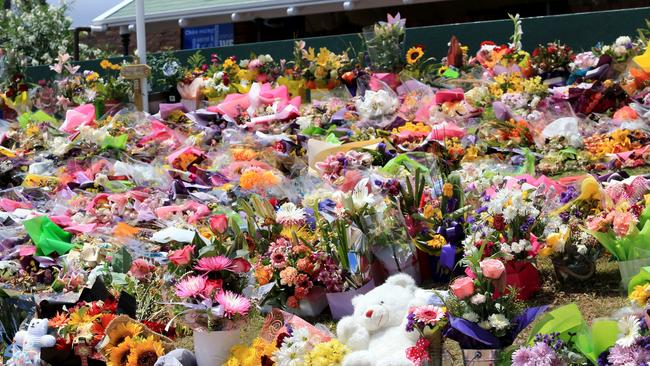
31 341
376 332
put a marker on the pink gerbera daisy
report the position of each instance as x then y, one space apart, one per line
429 314
191 286
214 264
233 304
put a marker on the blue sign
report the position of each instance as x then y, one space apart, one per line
208 36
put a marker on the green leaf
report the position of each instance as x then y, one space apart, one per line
122 261
118 279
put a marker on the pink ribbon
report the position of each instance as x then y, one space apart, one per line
258 96
199 211
9 205
80 116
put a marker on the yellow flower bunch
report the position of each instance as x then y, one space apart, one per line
437 241
242 355
640 294
535 86
507 83
418 127
230 66
327 354
92 77
555 241
107 65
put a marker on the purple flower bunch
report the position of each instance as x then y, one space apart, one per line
636 354
331 276
548 350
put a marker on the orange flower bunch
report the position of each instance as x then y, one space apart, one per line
256 179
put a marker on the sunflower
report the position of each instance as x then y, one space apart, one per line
414 54
145 352
122 331
119 356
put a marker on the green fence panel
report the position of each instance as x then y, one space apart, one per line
581 31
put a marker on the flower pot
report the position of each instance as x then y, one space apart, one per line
435 349
213 348
312 305
629 269
579 271
480 357
341 302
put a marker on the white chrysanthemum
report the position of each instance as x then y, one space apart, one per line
478 299
470 316
629 329
582 249
623 41
498 321
289 214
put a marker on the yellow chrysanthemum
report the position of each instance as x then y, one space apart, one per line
326 354
448 190
123 331
119 355
81 317
437 241
414 54
105 64
145 352
640 294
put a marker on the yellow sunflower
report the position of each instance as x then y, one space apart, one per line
414 54
123 331
146 352
119 356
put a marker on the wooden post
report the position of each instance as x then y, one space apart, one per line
136 73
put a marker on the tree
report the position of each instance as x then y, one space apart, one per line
34 33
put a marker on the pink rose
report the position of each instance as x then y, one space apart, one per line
219 223
622 222
181 257
596 223
492 268
140 268
462 287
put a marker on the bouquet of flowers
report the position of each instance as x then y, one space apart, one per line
429 321
478 317
554 58
572 250
622 225
385 44
320 70
632 344
210 286
550 348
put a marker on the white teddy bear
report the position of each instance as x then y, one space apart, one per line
31 341
376 332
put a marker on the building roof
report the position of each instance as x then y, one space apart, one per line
162 10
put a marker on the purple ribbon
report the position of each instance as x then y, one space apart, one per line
453 233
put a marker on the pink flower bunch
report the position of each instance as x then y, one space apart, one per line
618 221
334 166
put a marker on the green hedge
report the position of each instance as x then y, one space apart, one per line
580 31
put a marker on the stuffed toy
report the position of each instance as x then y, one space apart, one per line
177 357
376 331
31 341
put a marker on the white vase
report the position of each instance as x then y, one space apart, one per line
213 348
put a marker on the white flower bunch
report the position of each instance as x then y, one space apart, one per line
377 104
